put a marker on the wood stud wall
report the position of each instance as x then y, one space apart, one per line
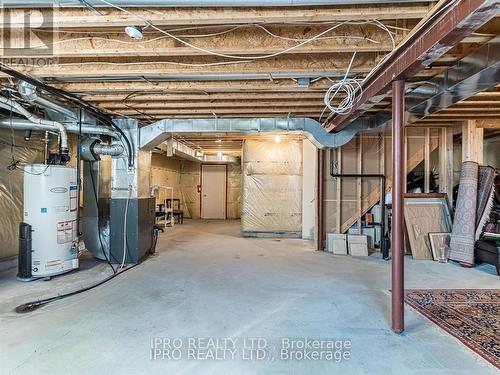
341 211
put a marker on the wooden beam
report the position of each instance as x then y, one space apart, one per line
472 142
211 104
488 124
245 41
311 65
236 111
207 87
427 160
68 18
173 97
457 116
150 118
446 162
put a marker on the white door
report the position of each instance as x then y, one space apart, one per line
213 191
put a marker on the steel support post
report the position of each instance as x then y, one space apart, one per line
397 206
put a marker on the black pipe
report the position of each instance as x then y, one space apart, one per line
383 245
95 111
25 249
27 135
78 170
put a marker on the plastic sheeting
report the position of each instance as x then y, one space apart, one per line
11 187
184 177
234 189
190 179
272 186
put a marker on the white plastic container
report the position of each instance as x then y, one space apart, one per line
50 207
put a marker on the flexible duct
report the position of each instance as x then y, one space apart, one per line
91 149
112 150
41 123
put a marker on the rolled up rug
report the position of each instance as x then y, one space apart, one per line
464 224
485 194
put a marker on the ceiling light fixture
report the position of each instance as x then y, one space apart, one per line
134 32
218 141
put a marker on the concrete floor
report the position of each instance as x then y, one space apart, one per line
207 281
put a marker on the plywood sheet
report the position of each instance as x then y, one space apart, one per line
423 217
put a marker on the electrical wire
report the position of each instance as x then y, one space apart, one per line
97 113
214 53
33 305
352 88
125 218
199 36
94 188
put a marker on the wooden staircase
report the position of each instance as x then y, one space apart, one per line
373 197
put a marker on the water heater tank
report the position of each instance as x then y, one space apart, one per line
50 207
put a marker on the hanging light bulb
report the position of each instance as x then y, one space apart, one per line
134 32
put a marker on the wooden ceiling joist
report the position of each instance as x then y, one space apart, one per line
310 65
83 18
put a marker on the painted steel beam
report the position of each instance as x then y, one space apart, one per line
473 74
447 27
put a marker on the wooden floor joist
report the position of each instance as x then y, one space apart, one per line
161 76
83 18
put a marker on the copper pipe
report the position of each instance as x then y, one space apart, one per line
319 199
397 206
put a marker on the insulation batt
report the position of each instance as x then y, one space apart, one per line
272 186
11 187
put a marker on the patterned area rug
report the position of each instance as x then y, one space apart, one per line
485 194
464 228
471 315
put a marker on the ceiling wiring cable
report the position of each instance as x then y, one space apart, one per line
351 87
180 40
140 63
199 36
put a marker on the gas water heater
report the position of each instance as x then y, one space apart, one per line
50 208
